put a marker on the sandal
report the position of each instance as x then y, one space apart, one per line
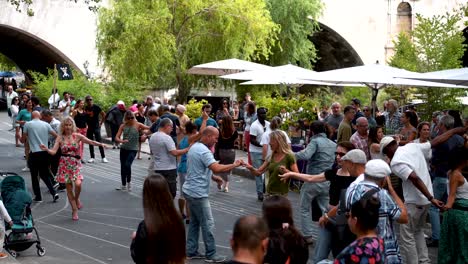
75 216
79 205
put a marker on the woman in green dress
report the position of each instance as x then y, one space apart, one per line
281 155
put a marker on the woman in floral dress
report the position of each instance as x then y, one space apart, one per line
69 170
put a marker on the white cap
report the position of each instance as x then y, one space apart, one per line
120 102
384 142
355 156
180 108
377 168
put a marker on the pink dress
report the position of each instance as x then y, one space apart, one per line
70 162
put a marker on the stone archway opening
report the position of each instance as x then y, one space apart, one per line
404 17
333 50
465 55
29 52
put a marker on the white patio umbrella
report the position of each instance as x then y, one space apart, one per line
286 72
374 76
452 76
223 67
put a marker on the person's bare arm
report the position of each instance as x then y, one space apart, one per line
89 141
217 168
259 171
179 152
303 177
54 149
456 179
404 213
417 182
445 136
118 136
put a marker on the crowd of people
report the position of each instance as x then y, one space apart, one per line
363 176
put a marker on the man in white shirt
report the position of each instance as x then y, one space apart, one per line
257 129
408 163
64 105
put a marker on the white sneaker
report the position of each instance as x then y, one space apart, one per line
91 160
122 188
25 169
104 160
129 187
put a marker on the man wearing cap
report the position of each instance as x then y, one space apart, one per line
391 206
408 163
360 137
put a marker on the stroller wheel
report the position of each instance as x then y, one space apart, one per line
40 251
13 253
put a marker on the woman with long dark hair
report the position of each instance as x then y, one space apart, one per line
285 242
375 135
225 147
160 237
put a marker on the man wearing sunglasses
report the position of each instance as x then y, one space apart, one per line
94 118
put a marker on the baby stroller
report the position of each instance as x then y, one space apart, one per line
18 201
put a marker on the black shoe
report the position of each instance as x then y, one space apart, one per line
61 187
37 200
432 243
260 197
56 184
56 196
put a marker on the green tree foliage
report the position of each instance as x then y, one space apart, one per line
298 21
154 42
79 87
437 45
6 64
26 5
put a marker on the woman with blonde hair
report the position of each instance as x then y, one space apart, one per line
129 130
69 170
281 155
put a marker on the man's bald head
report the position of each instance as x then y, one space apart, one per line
210 136
249 232
35 114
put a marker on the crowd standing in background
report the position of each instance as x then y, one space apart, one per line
365 176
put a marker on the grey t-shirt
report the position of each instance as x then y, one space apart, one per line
38 133
161 144
334 121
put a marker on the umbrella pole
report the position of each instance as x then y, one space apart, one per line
375 92
55 84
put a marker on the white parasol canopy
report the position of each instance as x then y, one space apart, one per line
375 76
452 76
223 67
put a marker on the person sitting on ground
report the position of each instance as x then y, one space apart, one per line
249 240
160 237
286 244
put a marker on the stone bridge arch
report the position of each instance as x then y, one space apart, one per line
333 50
28 51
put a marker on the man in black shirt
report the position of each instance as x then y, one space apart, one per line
93 112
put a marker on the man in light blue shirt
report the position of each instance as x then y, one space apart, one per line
37 133
200 167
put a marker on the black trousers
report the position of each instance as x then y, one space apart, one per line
95 134
171 178
39 163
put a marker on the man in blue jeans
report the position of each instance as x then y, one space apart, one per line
201 165
320 155
439 162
